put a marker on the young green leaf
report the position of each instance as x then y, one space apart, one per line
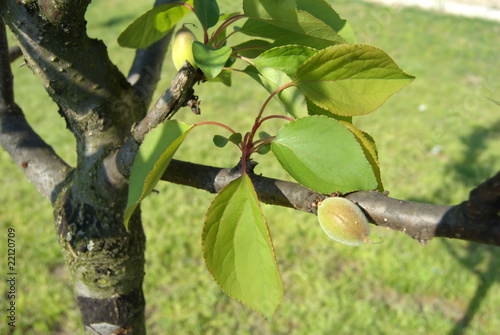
236 138
238 250
285 58
320 153
264 149
271 79
207 12
152 25
350 79
323 11
152 160
211 61
220 141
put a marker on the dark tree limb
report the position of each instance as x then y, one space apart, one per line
14 53
146 67
38 161
176 95
474 220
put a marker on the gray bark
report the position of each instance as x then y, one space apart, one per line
106 261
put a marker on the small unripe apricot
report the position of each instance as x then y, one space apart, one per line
182 49
343 221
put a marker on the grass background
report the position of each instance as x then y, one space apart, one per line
437 139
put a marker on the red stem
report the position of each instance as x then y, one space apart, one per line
244 150
213 123
273 117
226 24
186 5
257 119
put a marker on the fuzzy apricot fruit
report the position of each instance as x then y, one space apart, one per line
182 49
343 221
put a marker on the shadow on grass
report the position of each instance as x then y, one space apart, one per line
466 171
481 260
484 262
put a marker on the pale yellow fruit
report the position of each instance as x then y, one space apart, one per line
343 221
182 49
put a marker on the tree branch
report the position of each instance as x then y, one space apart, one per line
14 53
474 220
145 71
38 161
176 95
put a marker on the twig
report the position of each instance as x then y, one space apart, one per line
177 94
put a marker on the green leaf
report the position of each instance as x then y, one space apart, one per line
350 79
152 25
323 11
223 77
207 12
210 61
320 153
306 30
236 138
238 250
220 141
271 79
368 145
263 29
152 160
264 149
313 109
270 9
263 134
251 48
285 58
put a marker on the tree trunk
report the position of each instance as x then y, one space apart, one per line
106 262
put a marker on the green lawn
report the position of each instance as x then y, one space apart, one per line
436 139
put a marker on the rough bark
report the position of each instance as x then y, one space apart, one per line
106 261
